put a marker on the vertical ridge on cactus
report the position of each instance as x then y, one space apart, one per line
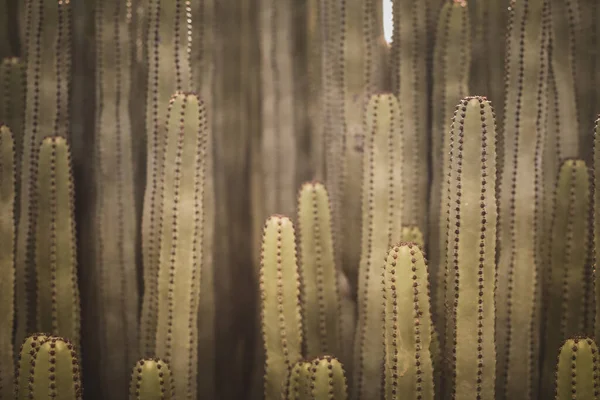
577 370
595 186
151 380
7 261
382 195
298 386
328 379
27 352
408 327
12 106
412 234
280 304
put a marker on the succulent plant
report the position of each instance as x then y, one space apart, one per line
412 234
298 386
27 353
577 370
12 104
328 379
151 380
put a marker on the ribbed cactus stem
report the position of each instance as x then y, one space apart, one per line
280 303
298 385
320 293
381 218
55 371
565 296
181 233
151 380
58 308
328 379
27 354
408 328
471 251
7 260
596 214
412 234
12 104
577 371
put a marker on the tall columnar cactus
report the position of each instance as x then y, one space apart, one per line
577 371
169 70
409 79
280 304
596 215
412 234
328 379
27 353
565 281
151 380
382 200
408 327
48 50
55 371
298 386
320 293
12 104
470 260
518 284
451 63
7 260
182 243
116 208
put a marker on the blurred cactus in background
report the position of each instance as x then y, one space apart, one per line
144 143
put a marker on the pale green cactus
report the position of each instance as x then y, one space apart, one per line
7 260
58 308
320 292
577 370
596 219
565 295
298 385
381 217
470 261
27 353
408 328
412 234
151 380
328 379
280 304
12 105
181 231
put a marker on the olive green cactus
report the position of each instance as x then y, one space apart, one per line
596 221
381 218
298 385
320 292
27 353
280 304
470 260
408 327
181 231
565 281
12 104
577 371
412 234
48 52
7 260
328 379
151 380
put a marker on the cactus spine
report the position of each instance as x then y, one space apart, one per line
280 303
328 379
565 299
27 354
577 370
182 245
298 382
471 241
151 380
408 328
320 292
7 260
381 217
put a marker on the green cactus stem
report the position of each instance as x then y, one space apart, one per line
280 304
320 292
169 70
55 371
570 254
7 260
472 214
182 246
12 105
299 383
328 379
58 308
48 49
27 354
408 328
412 234
381 217
596 219
577 370
151 380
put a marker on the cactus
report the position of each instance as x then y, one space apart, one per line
518 284
471 241
328 379
169 71
182 246
27 353
48 50
280 304
596 221
381 216
7 260
298 385
408 328
12 105
55 371
564 293
320 292
412 234
151 380
577 370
